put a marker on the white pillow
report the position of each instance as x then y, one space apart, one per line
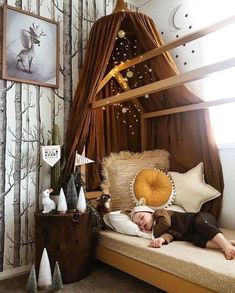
191 190
122 223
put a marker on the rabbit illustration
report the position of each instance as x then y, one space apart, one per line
28 40
48 204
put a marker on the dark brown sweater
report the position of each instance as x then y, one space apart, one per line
173 225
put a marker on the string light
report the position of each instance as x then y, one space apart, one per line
132 77
121 34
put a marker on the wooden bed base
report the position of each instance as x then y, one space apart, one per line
154 276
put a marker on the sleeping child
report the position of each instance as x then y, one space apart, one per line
199 228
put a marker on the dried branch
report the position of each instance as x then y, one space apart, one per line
57 6
7 260
33 138
26 207
6 89
75 46
22 243
59 108
56 92
61 70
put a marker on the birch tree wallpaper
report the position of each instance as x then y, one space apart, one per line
27 114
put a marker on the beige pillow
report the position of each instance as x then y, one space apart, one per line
118 171
191 190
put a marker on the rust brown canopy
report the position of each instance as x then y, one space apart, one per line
187 136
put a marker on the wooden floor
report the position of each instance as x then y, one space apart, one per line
103 279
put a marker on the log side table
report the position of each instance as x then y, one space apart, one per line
67 241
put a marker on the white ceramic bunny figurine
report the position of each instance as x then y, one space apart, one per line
48 204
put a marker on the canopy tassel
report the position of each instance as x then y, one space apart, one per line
120 6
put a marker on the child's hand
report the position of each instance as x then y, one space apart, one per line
157 242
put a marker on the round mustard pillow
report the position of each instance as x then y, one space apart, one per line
155 186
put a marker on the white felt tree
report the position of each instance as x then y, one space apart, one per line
44 275
57 279
62 204
81 203
31 286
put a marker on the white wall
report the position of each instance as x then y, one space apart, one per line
179 17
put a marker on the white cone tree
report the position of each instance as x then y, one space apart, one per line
81 203
44 275
62 204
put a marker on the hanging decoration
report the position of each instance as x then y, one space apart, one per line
121 34
126 47
81 160
51 154
129 74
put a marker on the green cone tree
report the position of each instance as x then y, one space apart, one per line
71 194
57 284
31 286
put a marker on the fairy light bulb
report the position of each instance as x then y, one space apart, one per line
129 74
121 34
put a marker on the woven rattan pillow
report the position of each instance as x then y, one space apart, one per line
120 169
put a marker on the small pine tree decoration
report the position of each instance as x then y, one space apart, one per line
62 204
79 179
81 204
71 194
96 220
44 275
31 286
57 284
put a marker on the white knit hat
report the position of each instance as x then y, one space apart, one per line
138 209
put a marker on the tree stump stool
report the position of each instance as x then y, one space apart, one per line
67 241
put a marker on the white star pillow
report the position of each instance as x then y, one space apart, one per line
191 190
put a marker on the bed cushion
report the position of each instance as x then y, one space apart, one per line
155 186
191 189
210 270
118 171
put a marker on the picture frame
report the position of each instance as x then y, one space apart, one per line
30 48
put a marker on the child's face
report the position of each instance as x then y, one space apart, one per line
144 220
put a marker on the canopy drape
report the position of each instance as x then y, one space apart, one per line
187 136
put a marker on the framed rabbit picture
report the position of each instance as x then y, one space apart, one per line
30 48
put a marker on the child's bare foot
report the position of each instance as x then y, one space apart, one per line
229 251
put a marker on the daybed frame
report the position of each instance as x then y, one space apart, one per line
152 275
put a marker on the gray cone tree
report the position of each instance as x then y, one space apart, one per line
57 284
31 286
71 194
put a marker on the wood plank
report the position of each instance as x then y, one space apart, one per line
157 51
93 194
199 106
125 86
166 83
148 273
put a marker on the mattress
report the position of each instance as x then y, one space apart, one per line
206 267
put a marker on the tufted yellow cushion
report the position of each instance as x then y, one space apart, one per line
155 186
